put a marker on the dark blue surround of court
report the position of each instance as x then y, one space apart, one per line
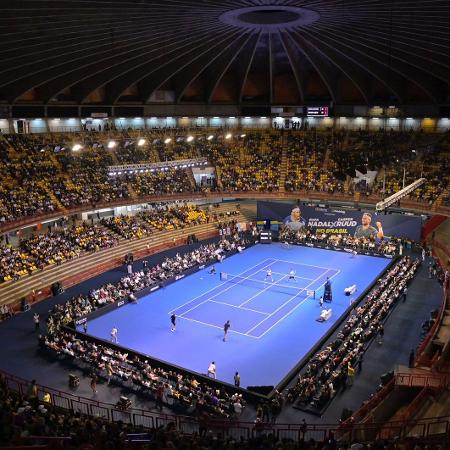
273 327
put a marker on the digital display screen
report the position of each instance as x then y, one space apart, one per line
317 111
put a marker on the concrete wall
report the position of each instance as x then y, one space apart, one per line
42 125
4 126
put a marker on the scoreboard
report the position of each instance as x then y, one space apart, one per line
317 111
265 237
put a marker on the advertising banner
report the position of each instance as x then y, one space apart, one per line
334 220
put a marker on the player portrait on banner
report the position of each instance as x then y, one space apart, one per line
366 230
294 222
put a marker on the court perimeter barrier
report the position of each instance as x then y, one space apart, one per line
437 427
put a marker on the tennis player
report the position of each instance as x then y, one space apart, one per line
173 320
226 327
269 275
114 337
292 275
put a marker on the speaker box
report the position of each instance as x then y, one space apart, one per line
74 381
57 288
24 306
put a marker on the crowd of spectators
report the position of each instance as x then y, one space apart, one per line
182 392
32 418
333 367
169 181
59 177
249 164
175 217
128 227
65 243
306 169
14 263
53 247
308 236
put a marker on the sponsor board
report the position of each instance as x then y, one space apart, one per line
323 220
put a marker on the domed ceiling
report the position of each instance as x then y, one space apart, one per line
225 51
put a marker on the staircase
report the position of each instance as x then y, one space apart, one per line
114 157
283 167
326 159
218 178
439 200
191 178
248 210
131 191
348 182
51 194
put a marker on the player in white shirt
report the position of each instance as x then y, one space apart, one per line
114 337
292 275
212 370
269 275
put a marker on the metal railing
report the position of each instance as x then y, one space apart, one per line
346 432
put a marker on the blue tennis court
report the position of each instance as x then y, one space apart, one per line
273 318
254 300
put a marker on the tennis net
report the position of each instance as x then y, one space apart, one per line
261 285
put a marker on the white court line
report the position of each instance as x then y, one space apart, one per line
293 309
215 326
260 292
194 307
288 301
306 265
238 307
221 284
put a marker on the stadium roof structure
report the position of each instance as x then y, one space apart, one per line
269 52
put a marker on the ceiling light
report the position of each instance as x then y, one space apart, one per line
76 147
167 140
141 142
228 136
210 137
190 138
